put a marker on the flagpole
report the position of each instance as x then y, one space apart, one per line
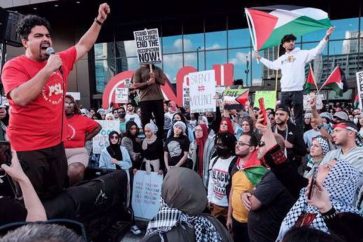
277 71
316 85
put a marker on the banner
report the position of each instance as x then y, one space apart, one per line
359 76
148 46
202 90
121 95
100 141
269 96
146 194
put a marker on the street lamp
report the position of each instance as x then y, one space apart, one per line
198 57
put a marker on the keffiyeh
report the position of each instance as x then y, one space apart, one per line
341 183
167 218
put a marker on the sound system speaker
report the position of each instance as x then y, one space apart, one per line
8 23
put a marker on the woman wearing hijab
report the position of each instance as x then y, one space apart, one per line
115 156
341 181
180 218
196 148
80 129
152 148
319 148
132 143
188 131
176 147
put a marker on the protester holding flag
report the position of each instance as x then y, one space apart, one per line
292 65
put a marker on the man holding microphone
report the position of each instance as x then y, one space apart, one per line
35 84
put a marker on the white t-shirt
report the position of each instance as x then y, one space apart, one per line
219 178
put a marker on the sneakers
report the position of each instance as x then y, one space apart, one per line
135 230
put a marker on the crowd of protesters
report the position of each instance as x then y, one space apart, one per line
229 175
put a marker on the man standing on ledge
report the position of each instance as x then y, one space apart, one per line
148 80
35 84
292 65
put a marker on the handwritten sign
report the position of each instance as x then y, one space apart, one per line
146 194
148 46
100 141
202 89
121 95
359 76
319 102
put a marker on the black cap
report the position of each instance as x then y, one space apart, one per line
287 38
282 107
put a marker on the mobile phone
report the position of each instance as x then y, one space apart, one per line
261 102
8 187
5 153
312 185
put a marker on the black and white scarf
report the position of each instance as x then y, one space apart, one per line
341 183
167 218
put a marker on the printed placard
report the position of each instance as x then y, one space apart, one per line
148 46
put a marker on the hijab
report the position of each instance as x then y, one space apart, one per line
341 183
114 149
183 199
200 144
153 128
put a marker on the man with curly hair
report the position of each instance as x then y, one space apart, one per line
35 84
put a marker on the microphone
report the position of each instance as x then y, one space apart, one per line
50 51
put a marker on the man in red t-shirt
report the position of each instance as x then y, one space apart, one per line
35 84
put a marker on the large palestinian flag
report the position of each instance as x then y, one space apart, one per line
336 81
269 24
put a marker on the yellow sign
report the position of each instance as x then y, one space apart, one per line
269 96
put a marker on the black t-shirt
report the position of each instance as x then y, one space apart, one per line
175 146
264 223
153 150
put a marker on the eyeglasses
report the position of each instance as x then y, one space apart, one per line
198 130
114 137
239 143
261 143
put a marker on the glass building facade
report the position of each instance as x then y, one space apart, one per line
204 49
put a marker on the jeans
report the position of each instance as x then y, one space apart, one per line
294 100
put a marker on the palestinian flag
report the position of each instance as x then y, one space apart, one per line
336 81
269 24
243 98
310 81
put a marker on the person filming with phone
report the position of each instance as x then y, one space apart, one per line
338 176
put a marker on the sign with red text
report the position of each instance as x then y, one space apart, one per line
202 90
146 194
148 46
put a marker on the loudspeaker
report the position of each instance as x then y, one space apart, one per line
8 23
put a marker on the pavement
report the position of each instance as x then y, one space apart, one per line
130 237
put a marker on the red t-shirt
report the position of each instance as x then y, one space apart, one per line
41 123
78 127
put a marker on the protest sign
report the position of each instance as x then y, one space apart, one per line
319 102
146 194
75 95
202 90
359 76
148 46
269 96
100 141
121 95
229 98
